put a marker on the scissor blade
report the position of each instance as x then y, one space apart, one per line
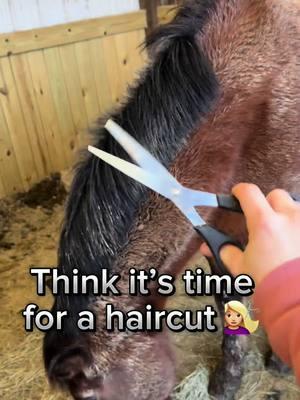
154 182
137 152
179 195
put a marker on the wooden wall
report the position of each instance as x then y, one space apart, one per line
54 83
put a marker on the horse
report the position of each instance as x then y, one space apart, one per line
217 104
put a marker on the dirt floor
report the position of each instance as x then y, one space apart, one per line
29 229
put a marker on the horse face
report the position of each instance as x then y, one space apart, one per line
112 367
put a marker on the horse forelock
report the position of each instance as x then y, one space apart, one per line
162 111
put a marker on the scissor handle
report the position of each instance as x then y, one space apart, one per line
231 203
296 197
216 240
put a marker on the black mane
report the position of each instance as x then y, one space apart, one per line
176 90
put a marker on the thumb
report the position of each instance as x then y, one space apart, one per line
232 257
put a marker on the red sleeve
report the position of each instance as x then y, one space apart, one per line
277 304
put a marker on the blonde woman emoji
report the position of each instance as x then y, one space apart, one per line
238 320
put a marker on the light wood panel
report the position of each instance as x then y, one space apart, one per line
42 89
100 73
49 98
14 117
11 180
130 57
87 81
24 84
24 41
75 94
61 102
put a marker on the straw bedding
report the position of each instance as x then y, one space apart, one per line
29 228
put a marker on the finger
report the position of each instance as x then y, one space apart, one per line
253 202
205 250
280 200
232 257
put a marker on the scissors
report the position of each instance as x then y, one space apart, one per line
151 173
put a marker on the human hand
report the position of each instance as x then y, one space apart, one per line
273 224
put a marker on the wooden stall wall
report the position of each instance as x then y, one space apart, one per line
54 83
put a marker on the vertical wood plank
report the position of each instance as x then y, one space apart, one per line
61 102
100 70
47 110
141 35
152 17
32 119
72 80
87 81
15 121
10 172
125 47
130 58
116 83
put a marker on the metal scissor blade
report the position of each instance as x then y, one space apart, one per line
179 195
137 152
159 185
